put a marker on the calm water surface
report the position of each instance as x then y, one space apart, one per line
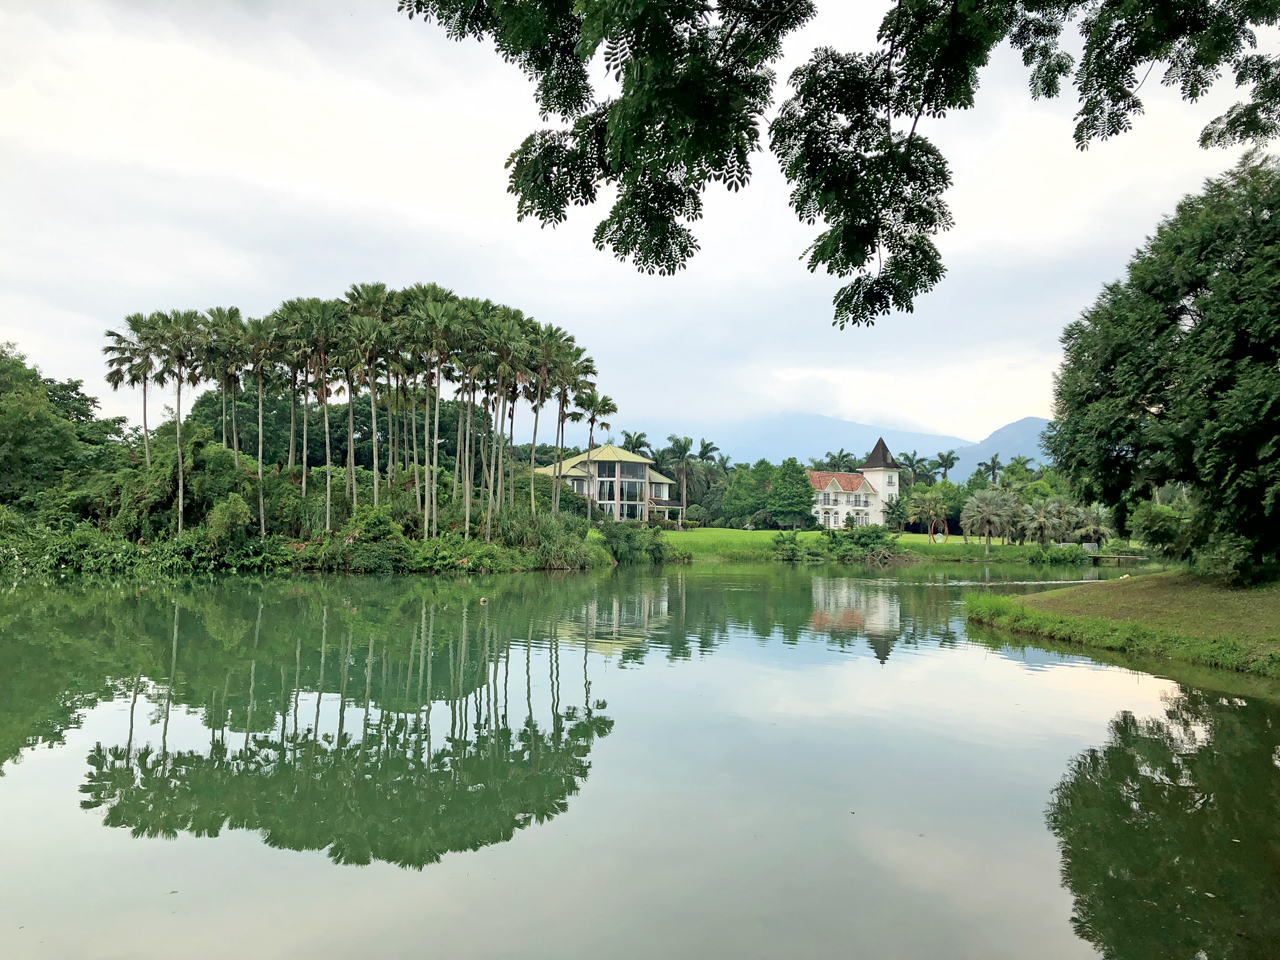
706 762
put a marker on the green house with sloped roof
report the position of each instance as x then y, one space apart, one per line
623 484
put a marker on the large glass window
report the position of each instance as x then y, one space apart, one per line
632 471
632 490
607 509
605 490
606 468
629 511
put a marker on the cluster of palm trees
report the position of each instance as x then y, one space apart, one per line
702 466
400 348
998 512
918 468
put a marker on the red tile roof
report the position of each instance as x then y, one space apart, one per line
848 482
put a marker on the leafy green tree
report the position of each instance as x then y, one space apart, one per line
36 442
1173 375
694 80
748 490
791 494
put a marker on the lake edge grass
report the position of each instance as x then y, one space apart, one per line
1170 616
727 545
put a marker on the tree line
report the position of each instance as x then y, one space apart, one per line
397 351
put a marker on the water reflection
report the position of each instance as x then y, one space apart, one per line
398 721
1170 832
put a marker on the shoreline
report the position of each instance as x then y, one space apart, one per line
1169 616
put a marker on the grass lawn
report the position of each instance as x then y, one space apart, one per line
1169 614
719 545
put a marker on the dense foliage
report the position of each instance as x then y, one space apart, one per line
688 86
1171 382
80 494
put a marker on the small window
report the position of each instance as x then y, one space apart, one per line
826 499
892 479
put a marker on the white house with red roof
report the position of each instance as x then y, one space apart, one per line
861 495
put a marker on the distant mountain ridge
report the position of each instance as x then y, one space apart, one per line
1018 439
805 435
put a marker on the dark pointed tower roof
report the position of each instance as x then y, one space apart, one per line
881 458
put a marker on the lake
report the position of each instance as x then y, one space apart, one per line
697 762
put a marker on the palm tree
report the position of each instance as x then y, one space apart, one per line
946 462
992 467
911 462
547 343
132 359
222 360
680 457
1093 524
572 375
595 407
928 508
180 336
635 442
706 451
1043 521
842 461
322 319
261 345
1020 462
988 513
367 302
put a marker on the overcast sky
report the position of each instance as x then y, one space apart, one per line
157 154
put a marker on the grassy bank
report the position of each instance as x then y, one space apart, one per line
1173 616
716 545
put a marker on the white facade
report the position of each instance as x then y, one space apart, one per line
861 495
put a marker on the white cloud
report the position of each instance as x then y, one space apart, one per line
156 155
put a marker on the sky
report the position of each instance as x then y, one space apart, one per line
162 154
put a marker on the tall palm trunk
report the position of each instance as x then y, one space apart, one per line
496 431
222 391
413 433
391 435
328 454
146 433
306 439
373 420
511 460
593 485
262 514
235 427
435 457
469 466
293 413
178 425
533 452
351 440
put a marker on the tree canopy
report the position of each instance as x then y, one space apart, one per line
690 83
1173 375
